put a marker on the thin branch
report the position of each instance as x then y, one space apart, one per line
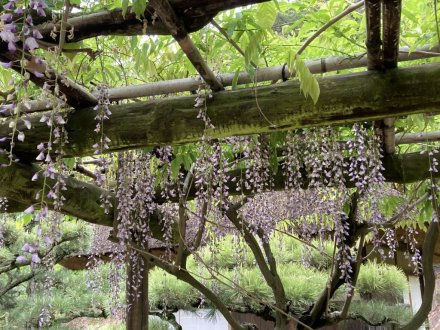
335 19
84 171
304 242
41 75
247 293
182 251
17 282
394 219
231 41
200 232
232 215
11 264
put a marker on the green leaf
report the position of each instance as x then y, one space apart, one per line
124 7
69 163
25 218
309 85
235 79
266 15
175 166
389 204
139 7
425 214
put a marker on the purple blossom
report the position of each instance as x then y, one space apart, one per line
21 260
39 6
19 11
27 247
6 18
29 210
35 258
9 6
30 43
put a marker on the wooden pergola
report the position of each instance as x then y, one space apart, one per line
173 121
380 94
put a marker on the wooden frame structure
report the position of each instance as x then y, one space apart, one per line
397 92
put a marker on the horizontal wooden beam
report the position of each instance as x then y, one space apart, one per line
344 99
194 14
318 66
83 199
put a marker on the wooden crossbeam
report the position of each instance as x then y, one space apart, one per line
373 96
421 137
83 199
177 29
195 14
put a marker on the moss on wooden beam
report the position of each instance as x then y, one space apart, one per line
344 99
83 199
195 14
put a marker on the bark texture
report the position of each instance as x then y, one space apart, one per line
372 96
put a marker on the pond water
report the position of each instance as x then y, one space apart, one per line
201 320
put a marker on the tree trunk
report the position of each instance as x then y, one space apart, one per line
137 296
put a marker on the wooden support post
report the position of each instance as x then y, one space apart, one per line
374 43
390 35
389 139
391 32
137 295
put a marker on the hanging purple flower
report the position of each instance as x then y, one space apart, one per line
30 43
27 247
35 258
21 260
38 74
6 18
39 6
6 65
19 11
30 209
37 34
9 6
8 35
29 20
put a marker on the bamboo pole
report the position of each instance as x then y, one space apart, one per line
421 137
319 66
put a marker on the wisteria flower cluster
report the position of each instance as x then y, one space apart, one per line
9 32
